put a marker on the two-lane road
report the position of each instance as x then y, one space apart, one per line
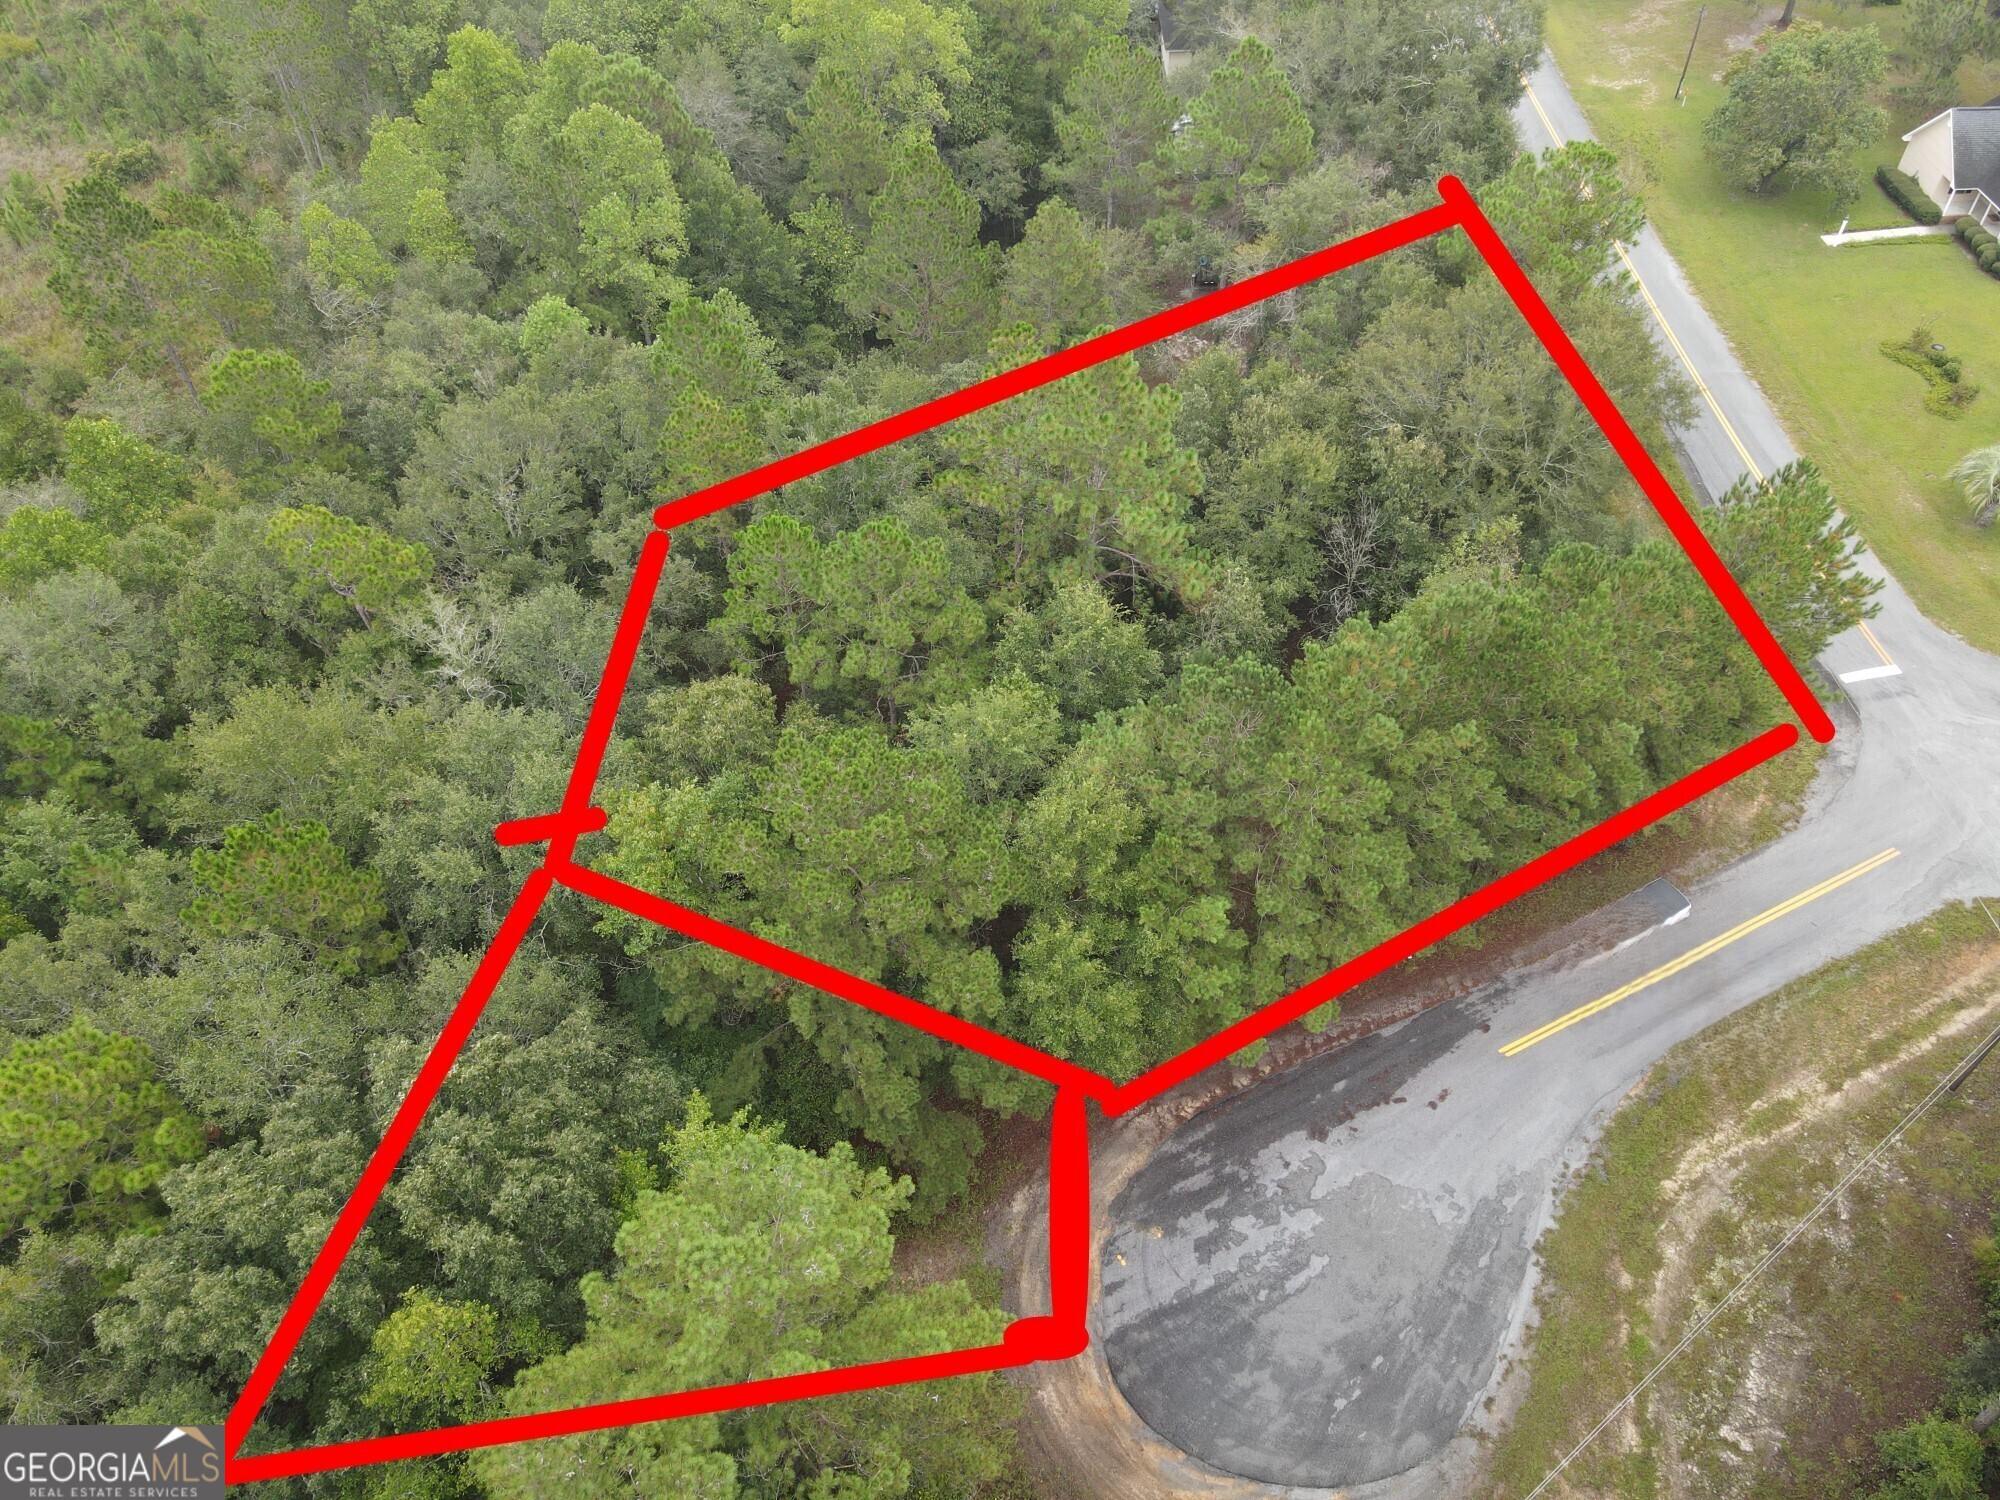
1311 1283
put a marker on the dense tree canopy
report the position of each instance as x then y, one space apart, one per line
1100 718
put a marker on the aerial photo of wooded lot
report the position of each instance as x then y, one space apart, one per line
347 348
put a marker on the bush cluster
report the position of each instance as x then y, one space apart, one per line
1908 196
1949 394
1980 241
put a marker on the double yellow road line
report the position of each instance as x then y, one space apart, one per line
1695 955
1728 428
1722 420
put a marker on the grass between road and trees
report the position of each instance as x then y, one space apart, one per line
1808 320
1862 1326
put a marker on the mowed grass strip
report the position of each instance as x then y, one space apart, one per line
1806 319
1731 1138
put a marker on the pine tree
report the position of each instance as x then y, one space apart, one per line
1054 278
874 612
904 54
344 564
1249 129
269 390
1111 131
289 878
844 144
924 281
761 1259
85 1132
714 368
1082 478
1795 555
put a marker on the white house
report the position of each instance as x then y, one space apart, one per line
1175 53
1955 158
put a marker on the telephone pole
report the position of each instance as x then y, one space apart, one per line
1690 57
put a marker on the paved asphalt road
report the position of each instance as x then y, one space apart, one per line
1311 1283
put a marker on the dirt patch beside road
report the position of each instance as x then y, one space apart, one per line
1729 1141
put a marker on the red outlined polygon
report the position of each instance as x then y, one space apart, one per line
1062 1332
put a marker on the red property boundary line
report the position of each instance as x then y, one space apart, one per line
1063 1332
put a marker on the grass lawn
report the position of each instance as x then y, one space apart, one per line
1804 318
1730 1139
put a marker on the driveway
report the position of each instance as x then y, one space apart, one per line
1312 1283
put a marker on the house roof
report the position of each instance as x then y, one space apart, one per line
1170 30
1975 145
1975 149
1916 130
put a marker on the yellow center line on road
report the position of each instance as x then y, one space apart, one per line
1728 428
1696 954
1547 124
1715 406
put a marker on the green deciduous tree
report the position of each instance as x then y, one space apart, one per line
37 541
85 1132
1467 377
493 489
1084 649
599 206
196 1302
123 479
403 40
1003 737
341 252
1798 107
49 1296
290 879
531 1156
432 1360
74 643
402 191
1933 1458
475 93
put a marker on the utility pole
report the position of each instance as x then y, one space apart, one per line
1690 57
